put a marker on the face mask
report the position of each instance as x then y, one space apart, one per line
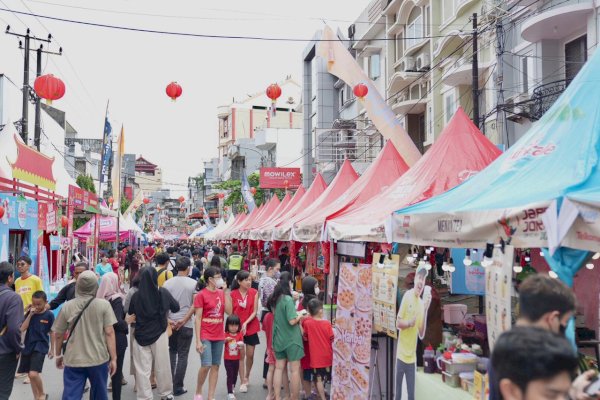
562 329
317 291
219 283
277 274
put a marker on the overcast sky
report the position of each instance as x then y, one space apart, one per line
132 69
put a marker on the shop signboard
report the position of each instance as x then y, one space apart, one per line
280 178
352 333
54 242
467 279
351 249
47 217
385 289
498 288
83 200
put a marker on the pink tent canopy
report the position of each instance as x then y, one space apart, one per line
108 229
345 177
287 199
264 232
239 220
386 168
316 189
460 152
267 212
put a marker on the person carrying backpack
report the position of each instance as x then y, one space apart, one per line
163 268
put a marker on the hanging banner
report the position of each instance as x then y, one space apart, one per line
54 242
106 149
352 332
467 279
47 217
498 288
385 289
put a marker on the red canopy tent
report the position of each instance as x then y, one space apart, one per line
268 211
315 190
386 168
345 177
264 232
239 220
460 152
287 199
234 231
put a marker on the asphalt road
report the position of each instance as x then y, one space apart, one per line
53 380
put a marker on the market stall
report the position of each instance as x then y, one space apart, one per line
265 232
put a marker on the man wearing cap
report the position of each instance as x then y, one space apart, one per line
411 323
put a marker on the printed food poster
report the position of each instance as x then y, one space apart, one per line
498 288
352 330
385 288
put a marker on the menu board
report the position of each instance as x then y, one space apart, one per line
352 330
498 288
385 290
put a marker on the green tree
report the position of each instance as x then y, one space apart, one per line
124 205
233 189
86 182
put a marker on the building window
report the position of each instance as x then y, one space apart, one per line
449 106
527 68
399 46
374 67
575 57
427 20
414 28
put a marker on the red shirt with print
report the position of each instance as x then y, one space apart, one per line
212 304
319 335
232 346
149 252
243 307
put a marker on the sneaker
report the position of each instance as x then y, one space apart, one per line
244 388
179 392
231 396
169 397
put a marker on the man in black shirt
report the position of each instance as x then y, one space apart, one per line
68 292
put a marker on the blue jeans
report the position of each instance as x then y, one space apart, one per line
74 382
213 352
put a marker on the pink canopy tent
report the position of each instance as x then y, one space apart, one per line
460 152
239 220
108 229
345 177
265 221
265 231
315 190
267 212
386 168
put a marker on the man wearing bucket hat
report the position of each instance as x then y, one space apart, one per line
411 323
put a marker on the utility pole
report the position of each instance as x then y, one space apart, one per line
475 82
25 45
38 127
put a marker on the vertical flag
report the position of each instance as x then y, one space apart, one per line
106 149
116 171
248 198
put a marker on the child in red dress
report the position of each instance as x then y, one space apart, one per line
234 340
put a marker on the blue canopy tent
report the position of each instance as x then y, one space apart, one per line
520 196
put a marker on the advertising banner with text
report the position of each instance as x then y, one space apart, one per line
280 178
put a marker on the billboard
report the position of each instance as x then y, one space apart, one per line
280 178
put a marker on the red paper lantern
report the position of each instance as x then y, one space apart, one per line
146 200
361 90
64 221
174 90
1 211
273 92
253 191
221 195
181 199
110 200
49 87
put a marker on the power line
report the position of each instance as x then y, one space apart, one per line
196 35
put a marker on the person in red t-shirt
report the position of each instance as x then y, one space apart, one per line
243 302
209 306
149 252
114 263
319 334
234 341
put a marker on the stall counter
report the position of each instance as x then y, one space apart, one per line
430 386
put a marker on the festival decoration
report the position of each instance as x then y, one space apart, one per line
174 90
181 199
64 221
1 211
273 92
221 195
146 200
110 200
253 191
361 90
49 87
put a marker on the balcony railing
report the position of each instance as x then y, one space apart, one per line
544 96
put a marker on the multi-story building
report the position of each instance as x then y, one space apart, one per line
239 121
547 43
148 176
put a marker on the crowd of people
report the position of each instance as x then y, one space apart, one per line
156 302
